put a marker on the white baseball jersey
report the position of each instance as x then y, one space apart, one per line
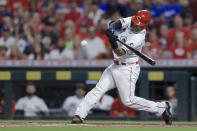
70 105
31 106
122 77
131 38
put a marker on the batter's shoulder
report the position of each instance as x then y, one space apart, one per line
126 21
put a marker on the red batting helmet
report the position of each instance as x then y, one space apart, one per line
142 18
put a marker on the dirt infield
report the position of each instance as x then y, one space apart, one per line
38 124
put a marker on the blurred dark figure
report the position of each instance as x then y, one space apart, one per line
72 102
15 53
185 8
193 43
39 52
31 105
73 13
49 38
171 97
113 5
2 105
193 4
188 22
3 50
4 11
61 52
135 5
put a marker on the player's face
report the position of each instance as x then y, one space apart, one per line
136 28
170 92
80 93
30 89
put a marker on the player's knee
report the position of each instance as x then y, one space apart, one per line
97 89
128 101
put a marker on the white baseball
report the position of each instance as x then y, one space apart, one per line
84 43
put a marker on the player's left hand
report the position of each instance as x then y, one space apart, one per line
111 36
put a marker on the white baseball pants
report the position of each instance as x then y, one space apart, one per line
123 77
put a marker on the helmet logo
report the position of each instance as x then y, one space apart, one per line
138 18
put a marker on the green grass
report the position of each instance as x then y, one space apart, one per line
93 129
100 128
94 121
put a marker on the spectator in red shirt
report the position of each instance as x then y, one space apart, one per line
85 19
73 13
15 4
164 35
102 26
157 48
36 22
180 49
67 24
193 43
118 109
178 27
154 47
82 31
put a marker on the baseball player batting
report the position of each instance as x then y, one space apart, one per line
124 72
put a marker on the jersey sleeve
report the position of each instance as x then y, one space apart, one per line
66 104
43 106
125 22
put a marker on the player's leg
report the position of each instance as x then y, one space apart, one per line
125 79
105 83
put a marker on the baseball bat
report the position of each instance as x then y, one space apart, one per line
141 55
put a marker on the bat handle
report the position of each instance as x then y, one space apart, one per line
153 62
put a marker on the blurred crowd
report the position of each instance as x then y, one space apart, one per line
31 105
53 29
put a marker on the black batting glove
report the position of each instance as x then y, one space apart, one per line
109 33
112 39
